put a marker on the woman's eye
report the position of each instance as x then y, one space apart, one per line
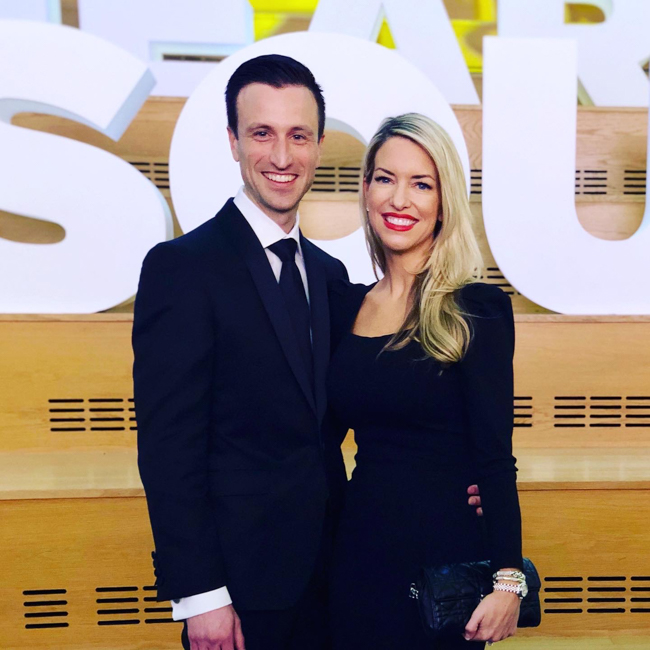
382 179
424 186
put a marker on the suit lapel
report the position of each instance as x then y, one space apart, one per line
320 320
268 288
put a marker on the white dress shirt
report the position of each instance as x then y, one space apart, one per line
268 232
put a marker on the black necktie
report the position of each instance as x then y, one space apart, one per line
294 293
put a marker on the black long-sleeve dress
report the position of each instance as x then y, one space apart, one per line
424 434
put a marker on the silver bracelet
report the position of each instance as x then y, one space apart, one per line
510 575
521 589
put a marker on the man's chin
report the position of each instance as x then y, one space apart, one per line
281 206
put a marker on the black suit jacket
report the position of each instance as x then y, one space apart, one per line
235 461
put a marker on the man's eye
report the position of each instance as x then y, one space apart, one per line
298 136
261 134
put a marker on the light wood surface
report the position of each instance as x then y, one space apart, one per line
582 384
69 474
111 472
67 383
90 531
579 382
567 469
88 551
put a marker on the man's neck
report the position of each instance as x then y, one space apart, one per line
286 220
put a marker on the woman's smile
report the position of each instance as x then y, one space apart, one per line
399 222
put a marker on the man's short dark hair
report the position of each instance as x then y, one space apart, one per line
273 70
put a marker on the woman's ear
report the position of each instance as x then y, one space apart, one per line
364 189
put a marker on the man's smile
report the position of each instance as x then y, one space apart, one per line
280 178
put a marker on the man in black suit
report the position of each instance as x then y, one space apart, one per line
231 340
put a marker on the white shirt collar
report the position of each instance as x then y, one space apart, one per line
266 230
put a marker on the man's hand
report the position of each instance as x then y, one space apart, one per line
475 499
219 629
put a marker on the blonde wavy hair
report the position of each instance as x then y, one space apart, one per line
434 318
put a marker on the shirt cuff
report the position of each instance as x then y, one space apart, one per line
200 604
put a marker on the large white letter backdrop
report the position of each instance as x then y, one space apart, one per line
111 213
149 29
43 10
610 54
363 83
529 153
422 33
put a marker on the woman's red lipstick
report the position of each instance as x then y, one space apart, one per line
400 227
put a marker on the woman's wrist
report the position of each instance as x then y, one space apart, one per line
506 595
510 581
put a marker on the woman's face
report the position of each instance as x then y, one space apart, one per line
403 197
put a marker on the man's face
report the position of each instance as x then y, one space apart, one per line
277 148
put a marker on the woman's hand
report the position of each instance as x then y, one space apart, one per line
495 618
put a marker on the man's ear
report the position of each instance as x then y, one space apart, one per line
320 149
234 142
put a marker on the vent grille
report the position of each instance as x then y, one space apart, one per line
45 608
634 182
591 181
156 609
524 412
118 606
596 594
347 179
476 181
195 58
156 172
130 606
588 182
493 275
601 412
337 179
92 414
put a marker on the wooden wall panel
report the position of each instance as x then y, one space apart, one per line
83 551
591 542
582 384
591 548
66 383
579 382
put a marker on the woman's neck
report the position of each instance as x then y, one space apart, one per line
400 273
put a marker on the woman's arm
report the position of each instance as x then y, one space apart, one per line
488 390
488 385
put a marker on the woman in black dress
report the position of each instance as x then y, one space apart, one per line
423 374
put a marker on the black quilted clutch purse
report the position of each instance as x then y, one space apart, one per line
447 596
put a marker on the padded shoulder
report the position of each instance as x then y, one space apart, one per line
484 300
